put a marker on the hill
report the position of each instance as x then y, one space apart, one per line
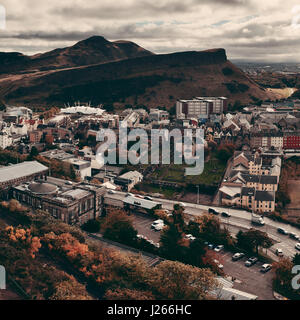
151 80
93 50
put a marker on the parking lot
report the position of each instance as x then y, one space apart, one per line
248 279
142 224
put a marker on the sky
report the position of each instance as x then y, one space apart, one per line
258 30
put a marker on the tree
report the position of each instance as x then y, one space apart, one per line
296 259
128 294
253 239
70 290
33 153
178 217
196 253
178 281
169 240
283 272
92 226
118 226
209 226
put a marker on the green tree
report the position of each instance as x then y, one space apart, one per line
92 226
253 239
296 259
118 226
169 240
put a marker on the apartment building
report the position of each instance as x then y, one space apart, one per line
200 107
291 140
267 140
252 182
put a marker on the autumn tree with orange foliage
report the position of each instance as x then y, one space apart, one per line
23 238
128 294
178 281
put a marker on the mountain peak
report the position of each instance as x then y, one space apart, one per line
92 41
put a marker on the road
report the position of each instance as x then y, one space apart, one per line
240 219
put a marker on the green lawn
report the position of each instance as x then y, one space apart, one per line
167 192
212 174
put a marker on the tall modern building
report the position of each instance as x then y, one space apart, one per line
200 107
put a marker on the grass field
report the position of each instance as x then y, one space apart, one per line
212 174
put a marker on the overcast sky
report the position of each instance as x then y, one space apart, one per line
248 29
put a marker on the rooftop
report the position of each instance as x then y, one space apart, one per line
20 170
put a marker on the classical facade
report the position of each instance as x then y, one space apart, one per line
74 204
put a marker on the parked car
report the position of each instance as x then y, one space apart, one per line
297 246
237 256
219 248
265 268
251 261
159 227
217 262
279 252
140 236
226 214
157 222
182 204
190 237
210 246
294 236
148 198
282 231
111 192
213 211
129 194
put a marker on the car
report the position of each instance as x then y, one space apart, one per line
140 236
219 248
148 198
279 252
182 204
129 194
251 261
282 231
210 246
217 262
297 246
70 183
294 236
159 227
157 222
237 256
190 237
226 214
265 268
213 211
111 192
